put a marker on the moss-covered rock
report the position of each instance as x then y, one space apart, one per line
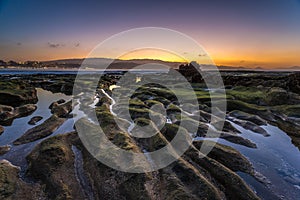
252 95
173 109
232 185
245 107
8 179
277 96
136 103
132 188
16 93
151 102
288 110
199 186
52 164
228 156
173 188
139 113
64 85
12 187
162 100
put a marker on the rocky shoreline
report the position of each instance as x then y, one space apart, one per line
252 101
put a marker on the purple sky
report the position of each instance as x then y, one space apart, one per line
251 33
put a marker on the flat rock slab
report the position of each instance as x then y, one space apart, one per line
250 126
41 131
34 120
248 117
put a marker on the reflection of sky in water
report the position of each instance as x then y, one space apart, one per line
276 158
20 125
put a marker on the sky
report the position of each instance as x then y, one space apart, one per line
254 33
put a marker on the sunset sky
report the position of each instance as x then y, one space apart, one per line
254 33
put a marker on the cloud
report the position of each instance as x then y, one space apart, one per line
242 61
52 45
19 43
202 55
59 45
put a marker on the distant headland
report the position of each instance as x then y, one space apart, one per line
114 64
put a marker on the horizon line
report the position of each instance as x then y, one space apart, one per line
162 60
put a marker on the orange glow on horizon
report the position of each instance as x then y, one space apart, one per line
249 58
155 54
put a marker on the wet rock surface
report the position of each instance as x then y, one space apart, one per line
4 149
228 156
248 117
34 120
53 164
43 130
61 110
250 126
56 103
271 96
8 113
17 92
181 179
1 129
60 114
12 187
